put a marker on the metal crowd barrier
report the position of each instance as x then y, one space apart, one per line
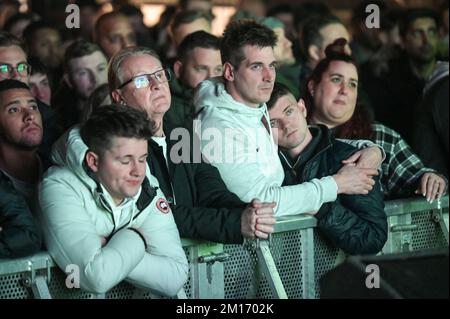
288 265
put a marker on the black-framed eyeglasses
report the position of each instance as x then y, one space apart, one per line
22 68
143 80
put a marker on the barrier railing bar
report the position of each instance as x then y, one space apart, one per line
269 268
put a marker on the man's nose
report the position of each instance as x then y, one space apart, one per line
137 169
15 75
268 74
28 115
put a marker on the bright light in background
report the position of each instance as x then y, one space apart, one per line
151 13
222 16
23 6
106 7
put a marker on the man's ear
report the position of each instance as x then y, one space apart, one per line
116 96
301 105
92 161
66 79
177 68
314 53
228 71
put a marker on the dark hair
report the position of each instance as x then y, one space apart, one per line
10 84
184 3
309 9
95 100
78 49
130 10
111 121
280 9
198 39
88 3
36 66
187 16
311 30
391 19
241 33
412 15
19 17
7 40
279 90
33 27
359 126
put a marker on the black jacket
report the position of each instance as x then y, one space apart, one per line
431 129
20 235
355 223
51 129
205 208
394 95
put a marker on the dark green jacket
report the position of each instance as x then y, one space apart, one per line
355 223
182 111
205 208
20 235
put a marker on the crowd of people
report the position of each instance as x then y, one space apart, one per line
116 139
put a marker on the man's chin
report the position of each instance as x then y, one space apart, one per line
31 143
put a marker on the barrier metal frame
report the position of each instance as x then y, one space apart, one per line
31 276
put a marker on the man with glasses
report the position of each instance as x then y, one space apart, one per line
203 207
13 65
8 71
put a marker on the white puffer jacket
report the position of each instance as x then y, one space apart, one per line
77 211
235 140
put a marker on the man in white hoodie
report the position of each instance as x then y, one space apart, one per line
103 211
234 132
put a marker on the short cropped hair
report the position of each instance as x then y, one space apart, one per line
7 40
78 49
412 15
11 84
33 27
104 17
37 66
198 39
241 33
114 120
279 90
311 30
185 17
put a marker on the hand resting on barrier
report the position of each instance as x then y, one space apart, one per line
257 220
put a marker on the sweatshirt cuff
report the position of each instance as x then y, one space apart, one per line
329 188
323 211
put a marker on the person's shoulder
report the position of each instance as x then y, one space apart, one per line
58 174
343 148
379 128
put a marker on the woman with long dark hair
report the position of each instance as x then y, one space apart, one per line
331 99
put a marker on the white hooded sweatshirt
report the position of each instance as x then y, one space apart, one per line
77 211
234 139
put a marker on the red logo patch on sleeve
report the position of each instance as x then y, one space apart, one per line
163 205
